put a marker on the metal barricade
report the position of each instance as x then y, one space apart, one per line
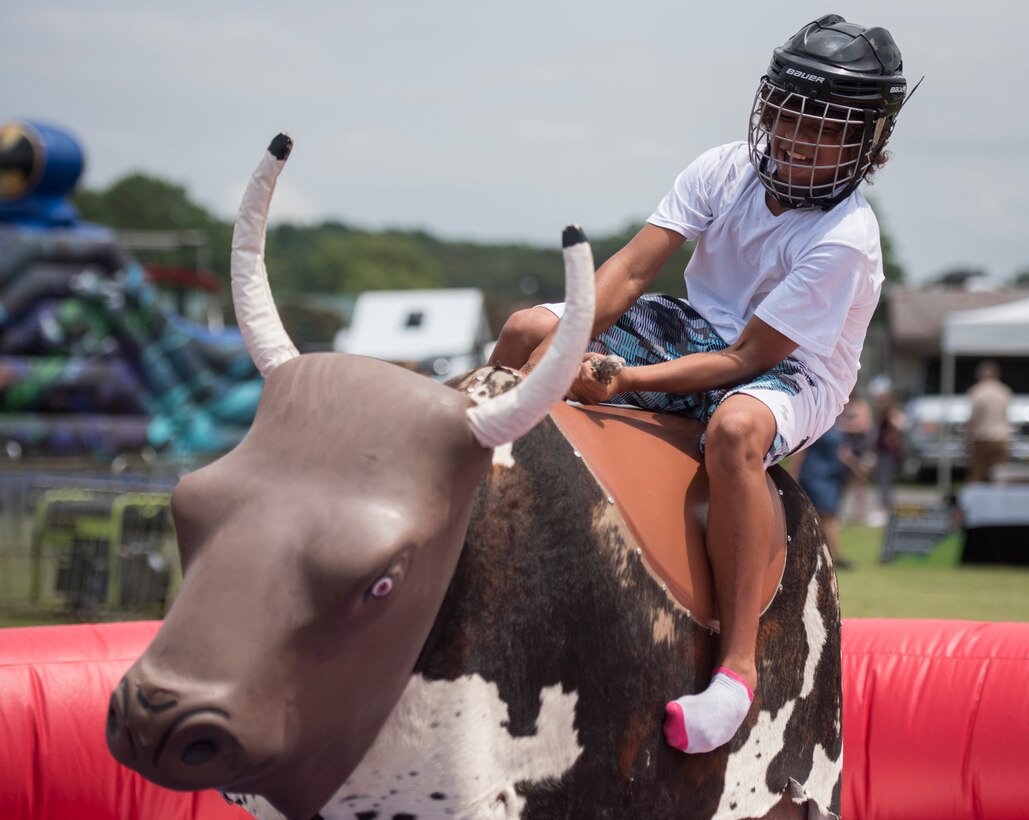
79 544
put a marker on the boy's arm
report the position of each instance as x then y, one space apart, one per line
758 349
624 278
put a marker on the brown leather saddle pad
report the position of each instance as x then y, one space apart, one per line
650 465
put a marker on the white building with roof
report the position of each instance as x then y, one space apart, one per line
440 332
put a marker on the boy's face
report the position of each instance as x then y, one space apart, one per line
813 151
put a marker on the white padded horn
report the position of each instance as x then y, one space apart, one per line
256 314
512 414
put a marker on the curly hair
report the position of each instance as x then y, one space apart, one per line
877 163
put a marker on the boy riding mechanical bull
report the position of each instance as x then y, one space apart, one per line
783 282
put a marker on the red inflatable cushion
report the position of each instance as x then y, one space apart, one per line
936 724
54 765
935 719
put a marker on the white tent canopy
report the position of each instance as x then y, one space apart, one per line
1001 330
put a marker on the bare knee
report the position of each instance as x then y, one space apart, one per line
522 334
738 437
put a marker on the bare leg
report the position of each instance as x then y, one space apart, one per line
740 524
521 335
739 545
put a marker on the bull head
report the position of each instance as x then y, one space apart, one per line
317 553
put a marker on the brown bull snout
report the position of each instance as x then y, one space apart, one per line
179 740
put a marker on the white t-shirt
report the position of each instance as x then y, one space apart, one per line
814 276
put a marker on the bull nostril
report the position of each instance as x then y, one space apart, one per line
199 752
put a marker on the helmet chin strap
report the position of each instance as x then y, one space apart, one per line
784 194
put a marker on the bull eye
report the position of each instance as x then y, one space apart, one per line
382 587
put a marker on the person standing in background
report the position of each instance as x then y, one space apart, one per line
856 424
823 471
988 431
889 441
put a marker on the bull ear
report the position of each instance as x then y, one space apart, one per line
514 413
256 314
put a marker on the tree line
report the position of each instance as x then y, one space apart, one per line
335 258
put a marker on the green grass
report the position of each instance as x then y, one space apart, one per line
40 619
931 586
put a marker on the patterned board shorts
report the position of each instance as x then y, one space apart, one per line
662 328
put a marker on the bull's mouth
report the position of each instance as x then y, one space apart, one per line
182 749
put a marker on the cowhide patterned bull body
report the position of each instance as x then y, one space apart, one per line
374 523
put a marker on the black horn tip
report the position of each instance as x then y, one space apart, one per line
572 235
281 146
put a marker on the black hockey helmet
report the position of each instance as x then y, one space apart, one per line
848 78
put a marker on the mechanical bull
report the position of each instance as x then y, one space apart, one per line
390 610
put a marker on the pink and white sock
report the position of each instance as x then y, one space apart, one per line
700 723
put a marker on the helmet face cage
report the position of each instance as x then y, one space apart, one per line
810 153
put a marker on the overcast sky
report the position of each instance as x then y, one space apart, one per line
505 121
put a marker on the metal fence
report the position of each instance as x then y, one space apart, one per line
79 541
